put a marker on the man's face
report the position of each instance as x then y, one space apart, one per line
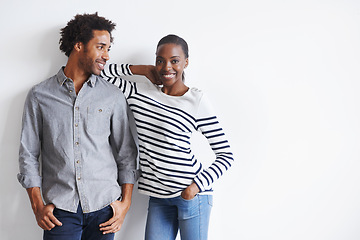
95 53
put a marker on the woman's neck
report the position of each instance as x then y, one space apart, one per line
175 90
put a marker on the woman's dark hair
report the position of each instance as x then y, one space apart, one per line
80 29
171 38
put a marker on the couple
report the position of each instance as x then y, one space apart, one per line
80 125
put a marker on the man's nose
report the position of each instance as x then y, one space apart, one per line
106 55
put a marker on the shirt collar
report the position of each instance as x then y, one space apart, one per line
62 78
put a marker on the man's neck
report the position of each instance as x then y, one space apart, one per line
78 75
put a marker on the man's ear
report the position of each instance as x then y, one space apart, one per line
78 46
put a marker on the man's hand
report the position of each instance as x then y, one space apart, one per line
43 213
148 71
120 208
114 224
190 192
45 217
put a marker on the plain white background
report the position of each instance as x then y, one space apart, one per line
283 77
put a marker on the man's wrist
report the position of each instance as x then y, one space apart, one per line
35 198
126 195
125 200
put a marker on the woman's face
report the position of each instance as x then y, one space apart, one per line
170 63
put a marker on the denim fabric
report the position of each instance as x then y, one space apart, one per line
168 215
78 225
84 140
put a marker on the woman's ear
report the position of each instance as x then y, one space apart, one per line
186 63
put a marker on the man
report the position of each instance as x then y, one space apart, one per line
79 124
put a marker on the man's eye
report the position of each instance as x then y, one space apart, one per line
175 61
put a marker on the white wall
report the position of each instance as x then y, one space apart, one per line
282 75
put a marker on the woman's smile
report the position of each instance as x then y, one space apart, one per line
168 76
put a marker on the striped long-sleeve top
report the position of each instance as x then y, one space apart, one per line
165 125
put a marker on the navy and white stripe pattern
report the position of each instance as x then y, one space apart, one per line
165 125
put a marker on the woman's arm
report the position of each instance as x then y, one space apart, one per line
146 70
121 70
113 73
209 126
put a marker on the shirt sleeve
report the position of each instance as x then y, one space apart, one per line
209 126
123 139
113 73
30 144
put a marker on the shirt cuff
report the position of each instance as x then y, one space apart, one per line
127 177
29 181
199 183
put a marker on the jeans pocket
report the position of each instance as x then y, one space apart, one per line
188 200
188 208
210 200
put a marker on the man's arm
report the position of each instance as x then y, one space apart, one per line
43 213
120 209
123 142
29 175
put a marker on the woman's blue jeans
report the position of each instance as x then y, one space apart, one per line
167 215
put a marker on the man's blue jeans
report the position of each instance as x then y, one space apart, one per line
166 216
80 226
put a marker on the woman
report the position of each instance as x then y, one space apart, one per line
178 185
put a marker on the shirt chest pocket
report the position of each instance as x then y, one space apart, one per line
98 120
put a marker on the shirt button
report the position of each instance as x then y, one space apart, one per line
77 108
77 143
76 125
77 161
79 178
100 110
70 91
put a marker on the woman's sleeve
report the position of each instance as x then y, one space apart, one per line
209 126
113 73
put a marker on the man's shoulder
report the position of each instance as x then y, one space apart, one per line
44 84
110 88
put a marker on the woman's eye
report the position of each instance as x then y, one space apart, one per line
175 61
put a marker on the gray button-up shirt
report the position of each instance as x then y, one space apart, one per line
85 142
